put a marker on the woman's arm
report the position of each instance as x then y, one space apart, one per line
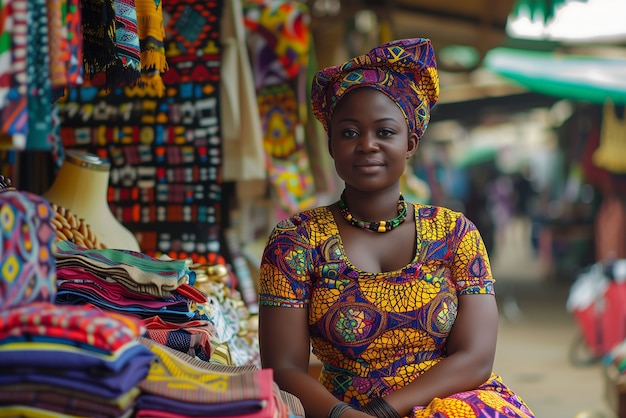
284 345
471 350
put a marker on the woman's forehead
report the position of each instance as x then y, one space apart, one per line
360 99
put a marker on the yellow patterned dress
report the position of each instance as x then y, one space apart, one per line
376 332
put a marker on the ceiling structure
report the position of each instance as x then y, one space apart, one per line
477 25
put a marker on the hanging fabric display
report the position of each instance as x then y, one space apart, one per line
29 31
14 115
128 70
611 154
164 151
111 42
38 79
74 27
151 43
98 28
58 42
279 41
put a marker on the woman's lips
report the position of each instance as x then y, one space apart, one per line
369 166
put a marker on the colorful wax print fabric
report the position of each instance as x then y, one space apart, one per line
404 70
377 332
27 264
278 42
165 152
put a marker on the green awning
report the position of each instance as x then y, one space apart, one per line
585 78
538 9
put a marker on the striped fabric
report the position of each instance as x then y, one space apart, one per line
185 378
176 375
14 116
128 70
6 28
82 325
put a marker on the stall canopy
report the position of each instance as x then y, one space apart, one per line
572 49
593 79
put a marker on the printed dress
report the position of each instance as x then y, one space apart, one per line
376 332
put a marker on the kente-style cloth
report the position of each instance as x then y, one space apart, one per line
27 264
181 384
405 70
377 332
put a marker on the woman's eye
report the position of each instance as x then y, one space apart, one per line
385 132
350 133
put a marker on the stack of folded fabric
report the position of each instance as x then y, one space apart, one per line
57 360
180 386
70 359
161 292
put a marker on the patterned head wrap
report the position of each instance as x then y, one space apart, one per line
405 70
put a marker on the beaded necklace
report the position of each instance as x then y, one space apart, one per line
380 226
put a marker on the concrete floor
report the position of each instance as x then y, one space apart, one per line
535 337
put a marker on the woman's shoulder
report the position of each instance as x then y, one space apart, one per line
310 222
441 220
305 218
435 212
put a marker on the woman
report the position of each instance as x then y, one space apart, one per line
401 312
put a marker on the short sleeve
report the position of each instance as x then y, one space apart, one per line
471 270
285 267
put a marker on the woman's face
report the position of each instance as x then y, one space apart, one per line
369 140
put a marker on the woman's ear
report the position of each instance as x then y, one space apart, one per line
412 145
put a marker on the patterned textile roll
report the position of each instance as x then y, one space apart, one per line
27 263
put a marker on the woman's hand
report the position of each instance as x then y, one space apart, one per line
285 348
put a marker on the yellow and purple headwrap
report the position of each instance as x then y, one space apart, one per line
405 70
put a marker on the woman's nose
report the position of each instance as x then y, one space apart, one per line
368 142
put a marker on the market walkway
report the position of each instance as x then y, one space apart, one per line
536 333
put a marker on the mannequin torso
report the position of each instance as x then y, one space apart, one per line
81 186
